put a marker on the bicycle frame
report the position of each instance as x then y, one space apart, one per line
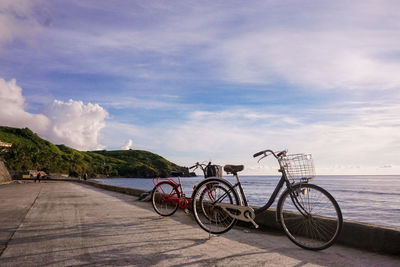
182 200
283 180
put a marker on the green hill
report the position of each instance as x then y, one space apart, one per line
30 152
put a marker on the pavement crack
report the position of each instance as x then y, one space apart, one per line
2 249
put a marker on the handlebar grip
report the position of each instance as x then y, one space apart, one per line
258 154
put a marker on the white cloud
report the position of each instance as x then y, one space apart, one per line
17 20
159 101
329 46
333 45
75 124
351 145
71 123
12 109
127 145
316 59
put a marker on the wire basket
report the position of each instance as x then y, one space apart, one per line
213 171
298 166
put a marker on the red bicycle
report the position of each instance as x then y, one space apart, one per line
167 195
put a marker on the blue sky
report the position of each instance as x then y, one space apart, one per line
208 80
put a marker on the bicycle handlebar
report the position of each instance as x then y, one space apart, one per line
194 166
199 165
264 152
258 153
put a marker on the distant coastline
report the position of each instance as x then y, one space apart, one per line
31 152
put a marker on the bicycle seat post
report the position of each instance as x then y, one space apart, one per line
237 177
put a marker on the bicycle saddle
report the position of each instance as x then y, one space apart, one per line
233 168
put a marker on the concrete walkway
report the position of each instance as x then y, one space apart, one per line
69 224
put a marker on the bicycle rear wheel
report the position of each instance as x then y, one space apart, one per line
310 216
210 217
165 198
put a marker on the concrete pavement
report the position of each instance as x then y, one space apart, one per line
70 224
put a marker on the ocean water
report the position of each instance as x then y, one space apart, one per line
367 198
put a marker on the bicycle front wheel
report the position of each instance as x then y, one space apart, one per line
165 198
310 216
207 195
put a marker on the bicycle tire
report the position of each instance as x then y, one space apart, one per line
310 217
161 197
209 214
213 219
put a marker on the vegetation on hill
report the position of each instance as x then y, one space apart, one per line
30 152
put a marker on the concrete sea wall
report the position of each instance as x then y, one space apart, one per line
4 174
354 234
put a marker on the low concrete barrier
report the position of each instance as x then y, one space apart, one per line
124 190
371 237
355 234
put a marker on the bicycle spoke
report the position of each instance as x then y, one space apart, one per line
164 199
320 226
210 217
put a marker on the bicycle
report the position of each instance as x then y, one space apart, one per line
309 215
167 195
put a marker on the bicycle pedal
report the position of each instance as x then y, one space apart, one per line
187 211
252 221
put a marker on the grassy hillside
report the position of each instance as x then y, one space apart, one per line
29 151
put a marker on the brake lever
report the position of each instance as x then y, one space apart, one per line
265 155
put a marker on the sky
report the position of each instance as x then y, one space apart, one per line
208 80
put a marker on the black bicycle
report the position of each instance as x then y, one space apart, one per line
308 214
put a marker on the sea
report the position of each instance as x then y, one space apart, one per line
366 198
